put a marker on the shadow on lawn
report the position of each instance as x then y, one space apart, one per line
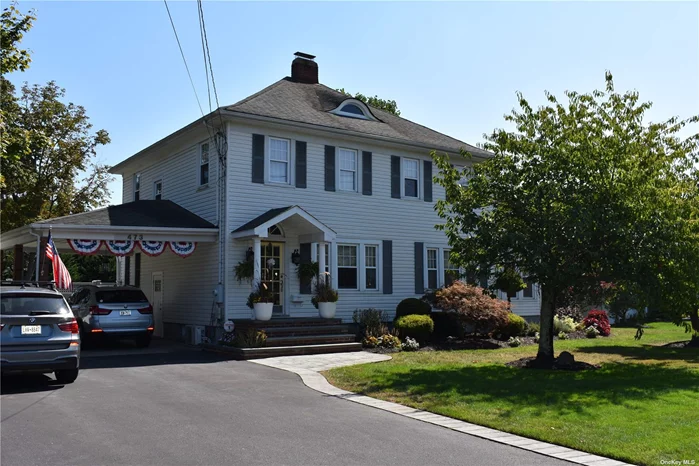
540 391
647 352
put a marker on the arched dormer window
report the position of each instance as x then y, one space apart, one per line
354 108
275 230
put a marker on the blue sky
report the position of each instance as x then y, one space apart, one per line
454 67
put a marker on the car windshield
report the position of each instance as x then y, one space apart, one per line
32 303
121 296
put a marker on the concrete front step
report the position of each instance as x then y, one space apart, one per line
273 351
305 330
310 339
286 322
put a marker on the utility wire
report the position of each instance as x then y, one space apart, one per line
208 57
203 51
183 58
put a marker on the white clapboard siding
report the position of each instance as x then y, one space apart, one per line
352 215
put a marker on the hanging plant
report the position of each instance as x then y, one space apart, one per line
244 271
307 271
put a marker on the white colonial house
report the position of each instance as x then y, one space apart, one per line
297 172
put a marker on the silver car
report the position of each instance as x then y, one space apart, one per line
113 311
38 333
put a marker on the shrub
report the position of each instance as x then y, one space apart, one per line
562 336
514 342
388 341
591 332
537 337
533 329
573 311
370 342
599 320
410 345
447 324
250 338
563 324
370 322
411 306
415 326
516 327
482 313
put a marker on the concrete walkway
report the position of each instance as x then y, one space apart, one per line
308 368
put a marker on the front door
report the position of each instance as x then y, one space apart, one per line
273 273
158 303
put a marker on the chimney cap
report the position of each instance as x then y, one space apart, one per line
304 55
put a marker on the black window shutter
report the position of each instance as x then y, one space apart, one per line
300 164
366 173
305 251
127 270
387 266
419 268
330 168
427 180
258 158
137 271
395 177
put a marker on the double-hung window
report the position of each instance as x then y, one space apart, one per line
347 266
137 187
411 176
432 268
348 169
279 160
451 272
528 292
439 269
204 164
158 190
359 265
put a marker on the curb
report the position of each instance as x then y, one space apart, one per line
318 382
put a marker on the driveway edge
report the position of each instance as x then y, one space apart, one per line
316 381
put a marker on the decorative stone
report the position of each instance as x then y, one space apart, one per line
565 360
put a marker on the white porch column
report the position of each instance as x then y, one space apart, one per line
257 249
321 257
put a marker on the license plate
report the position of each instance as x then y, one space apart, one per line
31 329
124 313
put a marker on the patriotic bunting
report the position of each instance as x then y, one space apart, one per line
120 248
182 248
85 247
152 248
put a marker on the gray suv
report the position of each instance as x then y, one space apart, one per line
113 311
38 333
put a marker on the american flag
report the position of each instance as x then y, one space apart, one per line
60 273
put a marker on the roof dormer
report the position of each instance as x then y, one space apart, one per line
354 108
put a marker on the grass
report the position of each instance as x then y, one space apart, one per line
642 406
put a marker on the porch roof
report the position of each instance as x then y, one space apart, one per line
259 226
154 220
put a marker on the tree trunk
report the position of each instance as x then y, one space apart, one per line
545 356
694 319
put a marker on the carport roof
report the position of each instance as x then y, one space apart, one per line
146 213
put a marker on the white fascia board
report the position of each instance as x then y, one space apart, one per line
116 233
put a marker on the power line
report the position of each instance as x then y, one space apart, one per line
203 50
208 57
183 58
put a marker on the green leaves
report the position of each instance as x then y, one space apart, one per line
389 106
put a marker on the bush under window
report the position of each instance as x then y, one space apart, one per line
410 306
478 311
419 327
515 327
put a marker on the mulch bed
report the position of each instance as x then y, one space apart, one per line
530 363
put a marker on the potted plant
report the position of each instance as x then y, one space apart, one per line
324 296
261 300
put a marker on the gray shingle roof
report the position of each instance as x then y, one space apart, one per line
311 103
260 219
146 213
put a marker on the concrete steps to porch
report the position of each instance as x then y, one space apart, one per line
313 339
273 351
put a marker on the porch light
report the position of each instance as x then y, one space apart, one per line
295 257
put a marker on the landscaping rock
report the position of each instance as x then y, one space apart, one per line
565 361
567 364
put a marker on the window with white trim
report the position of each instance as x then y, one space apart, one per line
359 265
204 164
348 169
354 109
158 190
451 271
347 267
432 268
279 160
528 292
137 187
411 178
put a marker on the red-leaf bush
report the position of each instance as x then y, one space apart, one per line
480 313
599 320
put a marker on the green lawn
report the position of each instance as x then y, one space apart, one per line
642 406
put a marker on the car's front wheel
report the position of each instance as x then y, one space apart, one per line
66 376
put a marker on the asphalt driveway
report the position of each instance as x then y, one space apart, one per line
180 406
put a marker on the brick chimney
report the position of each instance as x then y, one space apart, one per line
304 69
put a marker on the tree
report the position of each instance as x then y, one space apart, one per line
51 147
579 195
389 106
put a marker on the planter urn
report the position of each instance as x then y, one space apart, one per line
263 311
327 310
